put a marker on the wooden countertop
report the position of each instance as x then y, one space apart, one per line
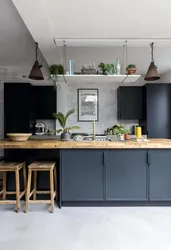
54 144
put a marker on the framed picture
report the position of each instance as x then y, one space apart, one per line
88 105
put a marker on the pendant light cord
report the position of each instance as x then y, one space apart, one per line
36 51
152 44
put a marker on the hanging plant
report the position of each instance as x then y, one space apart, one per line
54 71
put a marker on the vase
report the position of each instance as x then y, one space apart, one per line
118 67
121 137
66 136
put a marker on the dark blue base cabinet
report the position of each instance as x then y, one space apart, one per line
115 177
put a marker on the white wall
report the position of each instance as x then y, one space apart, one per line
17 50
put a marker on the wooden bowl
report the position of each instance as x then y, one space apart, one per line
19 137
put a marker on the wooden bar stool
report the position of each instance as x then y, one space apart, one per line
13 167
41 166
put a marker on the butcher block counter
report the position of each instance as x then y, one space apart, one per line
100 173
56 144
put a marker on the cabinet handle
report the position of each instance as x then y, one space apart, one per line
148 158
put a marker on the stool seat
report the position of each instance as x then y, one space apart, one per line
10 166
15 167
42 166
34 168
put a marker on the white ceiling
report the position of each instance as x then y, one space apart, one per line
138 21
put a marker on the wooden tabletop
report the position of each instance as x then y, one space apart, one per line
55 144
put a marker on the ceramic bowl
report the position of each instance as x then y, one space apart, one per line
19 136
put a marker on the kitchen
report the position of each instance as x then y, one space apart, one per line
92 172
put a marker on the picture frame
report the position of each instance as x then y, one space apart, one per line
88 105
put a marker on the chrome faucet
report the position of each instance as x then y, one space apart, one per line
94 130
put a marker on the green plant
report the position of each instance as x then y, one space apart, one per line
56 69
105 68
130 66
121 130
63 121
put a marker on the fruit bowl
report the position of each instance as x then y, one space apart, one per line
19 136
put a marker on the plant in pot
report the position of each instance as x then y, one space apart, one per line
121 131
54 71
65 135
105 68
131 69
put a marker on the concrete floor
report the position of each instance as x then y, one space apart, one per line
112 228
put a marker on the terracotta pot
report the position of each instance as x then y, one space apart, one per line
131 71
127 137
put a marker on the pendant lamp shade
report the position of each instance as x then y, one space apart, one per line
36 73
152 73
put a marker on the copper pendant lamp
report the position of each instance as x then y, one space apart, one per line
36 73
152 73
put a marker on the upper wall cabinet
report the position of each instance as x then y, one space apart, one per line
130 103
18 112
158 110
45 101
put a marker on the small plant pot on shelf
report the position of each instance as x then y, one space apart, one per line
131 71
66 136
127 137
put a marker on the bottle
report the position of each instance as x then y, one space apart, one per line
118 66
138 132
71 67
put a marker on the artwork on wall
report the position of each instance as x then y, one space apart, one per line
88 105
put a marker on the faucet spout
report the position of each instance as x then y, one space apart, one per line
94 130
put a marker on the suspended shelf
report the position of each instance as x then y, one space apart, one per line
100 78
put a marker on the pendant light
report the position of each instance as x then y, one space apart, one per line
36 73
152 73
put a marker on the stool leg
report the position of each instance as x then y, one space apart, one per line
35 185
4 183
28 190
25 179
52 190
17 179
55 182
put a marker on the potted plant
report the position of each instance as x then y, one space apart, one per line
65 135
54 71
105 68
131 69
121 131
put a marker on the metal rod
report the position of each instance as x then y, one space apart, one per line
36 50
152 57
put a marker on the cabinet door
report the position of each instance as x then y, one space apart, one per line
160 174
45 97
126 172
130 103
82 175
17 108
158 110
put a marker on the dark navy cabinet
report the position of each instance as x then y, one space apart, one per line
45 102
19 114
160 174
130 103
157 110
82 175
126 174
